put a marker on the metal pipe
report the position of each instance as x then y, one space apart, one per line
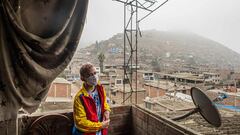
195 110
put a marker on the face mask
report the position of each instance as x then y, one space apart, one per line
92 80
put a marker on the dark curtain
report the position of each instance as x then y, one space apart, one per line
37 41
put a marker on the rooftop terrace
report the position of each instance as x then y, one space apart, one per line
126 120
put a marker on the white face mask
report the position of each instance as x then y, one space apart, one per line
92 80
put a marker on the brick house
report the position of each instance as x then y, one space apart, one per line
60 88
159 88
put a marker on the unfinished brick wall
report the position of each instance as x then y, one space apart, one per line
145 123
118 97
121 121
140 97
152 91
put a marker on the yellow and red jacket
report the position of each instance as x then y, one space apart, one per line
85 113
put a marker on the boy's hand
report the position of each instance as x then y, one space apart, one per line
105 123
106 115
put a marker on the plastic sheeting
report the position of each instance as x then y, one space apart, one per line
37 41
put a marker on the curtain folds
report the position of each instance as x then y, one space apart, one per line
37 41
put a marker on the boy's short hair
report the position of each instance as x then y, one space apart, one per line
85 69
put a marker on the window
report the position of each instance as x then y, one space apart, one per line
118 82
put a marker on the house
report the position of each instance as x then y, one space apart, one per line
60 90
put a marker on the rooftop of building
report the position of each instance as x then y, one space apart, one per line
173 104
186 76
145 71
210 73
127 89
61 80
167 85
222 91
230 123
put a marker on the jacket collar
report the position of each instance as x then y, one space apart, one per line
84 90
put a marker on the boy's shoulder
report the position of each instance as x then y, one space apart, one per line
78 93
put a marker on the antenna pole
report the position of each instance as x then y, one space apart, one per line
131 31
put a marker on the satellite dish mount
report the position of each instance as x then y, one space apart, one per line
204 106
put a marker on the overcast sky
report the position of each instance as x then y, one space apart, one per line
218 20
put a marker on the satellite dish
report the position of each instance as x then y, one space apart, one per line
204 106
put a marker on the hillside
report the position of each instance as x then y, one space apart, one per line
166 48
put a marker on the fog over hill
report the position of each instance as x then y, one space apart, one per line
168 46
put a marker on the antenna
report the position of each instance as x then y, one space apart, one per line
204 106
131 32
